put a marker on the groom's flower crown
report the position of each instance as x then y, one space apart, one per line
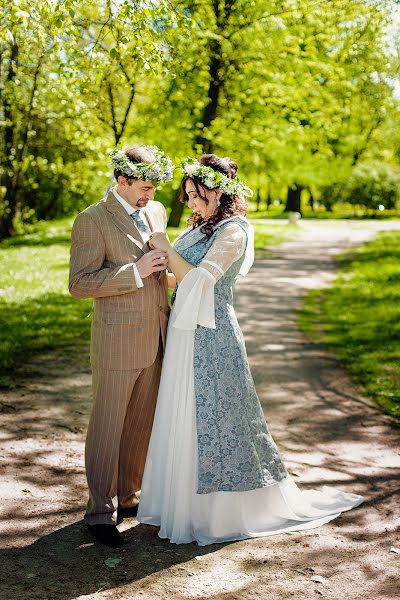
214 179
160 170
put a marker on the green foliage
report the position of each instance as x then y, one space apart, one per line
190 77
67 98
301 112
359 317
36 311
371 185
266 235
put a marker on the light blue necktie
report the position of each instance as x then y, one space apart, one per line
140 224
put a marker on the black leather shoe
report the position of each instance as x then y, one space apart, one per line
126 513
107 534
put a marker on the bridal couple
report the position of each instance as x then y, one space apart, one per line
177 436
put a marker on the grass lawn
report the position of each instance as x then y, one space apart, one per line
37 314
359 318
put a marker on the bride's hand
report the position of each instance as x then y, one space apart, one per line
159 241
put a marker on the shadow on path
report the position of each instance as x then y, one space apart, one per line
51 567
328 433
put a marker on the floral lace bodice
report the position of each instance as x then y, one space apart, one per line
235 449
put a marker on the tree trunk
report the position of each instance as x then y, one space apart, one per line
293 201
6 223
209 113
10 198
268 200
214 88
175 215
311 200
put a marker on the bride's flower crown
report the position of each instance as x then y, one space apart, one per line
214 179
160 170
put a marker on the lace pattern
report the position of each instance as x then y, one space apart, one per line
235 449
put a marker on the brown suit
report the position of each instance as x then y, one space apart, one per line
128 329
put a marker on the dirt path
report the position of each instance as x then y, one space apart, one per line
327 433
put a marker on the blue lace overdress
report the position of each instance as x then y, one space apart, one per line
236 452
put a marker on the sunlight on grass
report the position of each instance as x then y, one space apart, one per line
36 311
359 317
266 235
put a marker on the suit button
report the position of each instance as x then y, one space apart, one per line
160 307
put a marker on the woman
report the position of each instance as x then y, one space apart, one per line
213 472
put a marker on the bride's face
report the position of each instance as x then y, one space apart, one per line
199 205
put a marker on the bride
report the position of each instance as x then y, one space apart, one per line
213 472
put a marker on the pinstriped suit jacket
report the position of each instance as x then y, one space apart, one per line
127 321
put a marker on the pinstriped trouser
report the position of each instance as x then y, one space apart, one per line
118 438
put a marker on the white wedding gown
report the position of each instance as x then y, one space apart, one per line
168 496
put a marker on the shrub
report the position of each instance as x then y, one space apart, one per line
370 185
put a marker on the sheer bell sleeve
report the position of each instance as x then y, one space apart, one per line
194 302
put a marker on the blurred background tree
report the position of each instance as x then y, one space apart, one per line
300 93
69 75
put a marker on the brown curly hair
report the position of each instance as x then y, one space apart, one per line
229 206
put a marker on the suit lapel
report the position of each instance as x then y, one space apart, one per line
124 222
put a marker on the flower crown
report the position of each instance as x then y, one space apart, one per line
160 170
214 179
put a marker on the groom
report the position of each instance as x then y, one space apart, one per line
112 263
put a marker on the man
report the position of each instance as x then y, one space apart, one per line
112 263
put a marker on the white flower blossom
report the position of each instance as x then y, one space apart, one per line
214 179
191 169
160 170
209 182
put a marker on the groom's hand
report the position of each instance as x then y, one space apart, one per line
151 262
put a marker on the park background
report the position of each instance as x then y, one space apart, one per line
305 96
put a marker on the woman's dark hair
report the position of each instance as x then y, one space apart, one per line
136 154
229 206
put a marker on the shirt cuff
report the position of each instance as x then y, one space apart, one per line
138 279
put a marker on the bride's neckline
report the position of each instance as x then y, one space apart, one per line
190 229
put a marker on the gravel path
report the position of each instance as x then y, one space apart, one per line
327 432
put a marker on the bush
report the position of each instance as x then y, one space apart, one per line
370 185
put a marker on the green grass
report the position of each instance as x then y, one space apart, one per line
266 235
359 318
37 314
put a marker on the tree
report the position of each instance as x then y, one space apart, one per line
374 185
298 92
68 97
300 112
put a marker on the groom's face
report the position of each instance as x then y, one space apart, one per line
136 192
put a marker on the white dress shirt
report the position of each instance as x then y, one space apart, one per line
130 210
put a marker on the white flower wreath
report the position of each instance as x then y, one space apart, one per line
160 170
214 179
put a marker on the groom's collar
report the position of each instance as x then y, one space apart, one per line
129 209
123 221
